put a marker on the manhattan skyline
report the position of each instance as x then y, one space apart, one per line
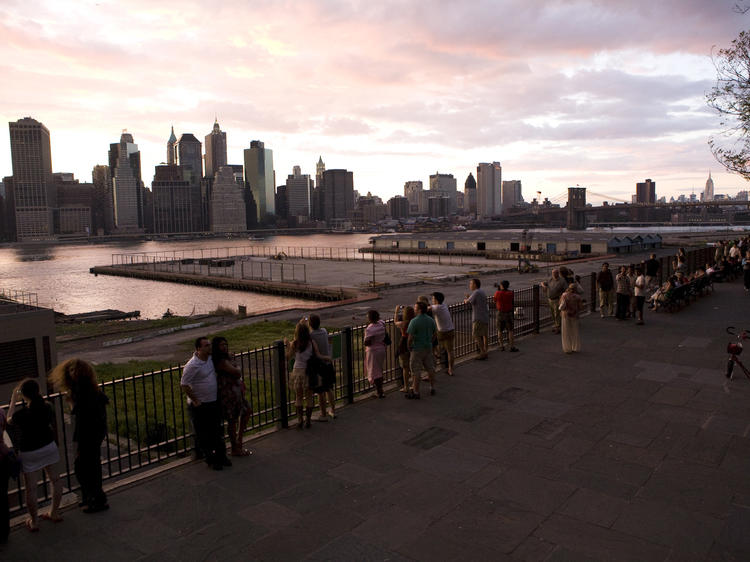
597 94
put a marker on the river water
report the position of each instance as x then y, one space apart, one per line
59 275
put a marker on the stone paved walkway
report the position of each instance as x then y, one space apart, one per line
635 449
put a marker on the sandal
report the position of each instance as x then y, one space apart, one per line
30 526
48 517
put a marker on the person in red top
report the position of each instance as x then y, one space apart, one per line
504 304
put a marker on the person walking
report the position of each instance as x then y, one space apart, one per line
325 395
200 385
554 286
606 284
622 286
402 317
302 349
375 350
446 332
37 429
235 408
570 307
480 317
421 332
504 304
77 379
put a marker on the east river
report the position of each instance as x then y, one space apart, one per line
59 275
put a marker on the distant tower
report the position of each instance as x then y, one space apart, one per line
320 167
576 208
645 192
708 193
470 195
170 147
125 171
216 150
489 184
298 193
32 178
259 177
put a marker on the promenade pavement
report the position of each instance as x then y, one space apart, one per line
637 448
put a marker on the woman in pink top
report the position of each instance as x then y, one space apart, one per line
375 350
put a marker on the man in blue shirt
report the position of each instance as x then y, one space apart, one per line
421 330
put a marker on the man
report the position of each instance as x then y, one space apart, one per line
652 269
445 329
622 286
480 317
421 332
555 286
198 382
606 284
504 305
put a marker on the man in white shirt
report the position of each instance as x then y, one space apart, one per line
198 382
445 329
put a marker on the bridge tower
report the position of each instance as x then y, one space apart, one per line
576 208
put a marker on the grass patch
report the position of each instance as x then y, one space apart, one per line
92 329
250 336
110 371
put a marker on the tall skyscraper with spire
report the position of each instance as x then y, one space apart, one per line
170 147
216 150
708 193
125 171
32 179
320 167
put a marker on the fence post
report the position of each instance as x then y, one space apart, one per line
593 291
535 312
279 361
347 362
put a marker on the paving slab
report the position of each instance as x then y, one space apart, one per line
622 452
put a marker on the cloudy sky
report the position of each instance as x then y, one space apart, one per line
599 93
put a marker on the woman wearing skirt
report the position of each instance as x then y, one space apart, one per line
570 307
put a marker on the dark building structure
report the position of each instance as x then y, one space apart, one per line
127 183
102 210
172 200
281 203
189 156
216 150
34 195
74 202
470 195
645 192
171 156
8 229
337 195
398 207
576 208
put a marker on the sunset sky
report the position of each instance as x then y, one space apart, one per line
598 93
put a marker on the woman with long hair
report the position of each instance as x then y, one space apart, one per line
375 350
302 349
406 315
37 429
77 379
570 307
234 405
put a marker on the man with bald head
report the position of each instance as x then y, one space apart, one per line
555 286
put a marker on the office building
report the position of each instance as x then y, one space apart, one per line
173 203
259 178
337 195
412 192
489 197
227 205
298 189
75 201
708 193
438 206
511 195
444 185
470 195
189 155
216 150
320 167
102 211
34 195
645 192
398 207
127 186
171 143
8 218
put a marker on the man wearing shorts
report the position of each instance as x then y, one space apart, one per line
421 332
480 317
445 330
504 304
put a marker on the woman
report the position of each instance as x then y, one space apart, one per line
77 379
234 406
639 289
570 307
622 285
302 349
37 428
375 351
325 392
406 315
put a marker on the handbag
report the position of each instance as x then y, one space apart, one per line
313 371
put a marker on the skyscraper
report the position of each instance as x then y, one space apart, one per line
189 155
444 185
34 192
170 147
413 191
173 201
259 178
645 191
320 167
470 195
216 150
227 203
125 171
511 195
489 182
708 193
337 195
103 209
298 187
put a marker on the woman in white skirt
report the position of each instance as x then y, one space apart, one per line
36 429
571 305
